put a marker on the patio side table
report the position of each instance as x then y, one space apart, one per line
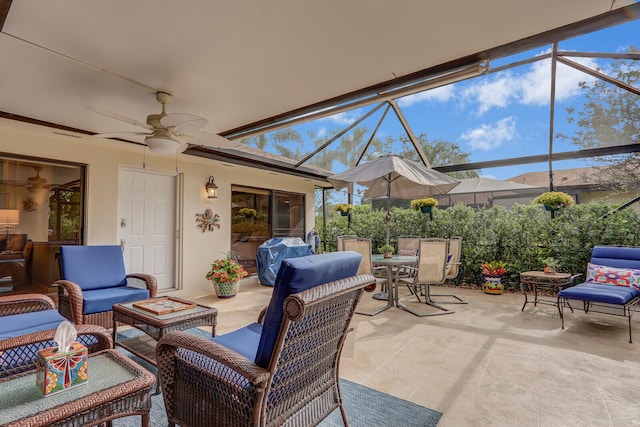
540 280
117 387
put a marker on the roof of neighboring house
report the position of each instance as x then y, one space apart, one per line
488 185
561 178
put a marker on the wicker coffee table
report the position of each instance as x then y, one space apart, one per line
158 325
117 387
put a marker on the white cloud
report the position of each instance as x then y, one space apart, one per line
346 118
487 137
439 94
531 87
495 93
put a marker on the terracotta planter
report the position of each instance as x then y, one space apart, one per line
492 285
226 290
387 255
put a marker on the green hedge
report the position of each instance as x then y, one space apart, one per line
522 236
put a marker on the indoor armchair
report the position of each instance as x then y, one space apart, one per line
93 279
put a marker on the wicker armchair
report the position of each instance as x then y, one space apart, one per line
93 279
18 353
231 381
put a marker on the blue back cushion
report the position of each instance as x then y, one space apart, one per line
296 275
93 267
615 256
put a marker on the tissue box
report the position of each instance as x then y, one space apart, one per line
61 371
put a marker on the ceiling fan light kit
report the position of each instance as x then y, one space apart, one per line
162 144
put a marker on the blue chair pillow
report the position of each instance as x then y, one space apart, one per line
296 275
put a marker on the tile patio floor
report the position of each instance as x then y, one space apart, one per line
488 364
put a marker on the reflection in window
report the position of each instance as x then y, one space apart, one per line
48 196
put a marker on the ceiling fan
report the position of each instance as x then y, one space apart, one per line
32 183
164 130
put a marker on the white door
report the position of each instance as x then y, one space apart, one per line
147 224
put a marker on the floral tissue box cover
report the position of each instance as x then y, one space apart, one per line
60 371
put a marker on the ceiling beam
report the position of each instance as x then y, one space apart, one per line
541 158
5 5
608 19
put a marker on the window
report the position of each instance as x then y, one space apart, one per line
258 215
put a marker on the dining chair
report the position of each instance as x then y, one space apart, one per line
452 268
408 245
342 238
432 261
381 274
363 247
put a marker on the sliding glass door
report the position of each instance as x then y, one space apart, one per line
260 214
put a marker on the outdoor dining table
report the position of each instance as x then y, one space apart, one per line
396 261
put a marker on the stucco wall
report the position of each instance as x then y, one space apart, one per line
104 160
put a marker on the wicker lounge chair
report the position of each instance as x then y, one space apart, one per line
93 279
28 323
281 372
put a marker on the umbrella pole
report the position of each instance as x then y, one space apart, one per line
388 207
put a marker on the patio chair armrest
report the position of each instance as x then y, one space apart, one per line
148 280
73 293
262 313
25 303
573 278
169 344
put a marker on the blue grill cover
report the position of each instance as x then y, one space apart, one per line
273 251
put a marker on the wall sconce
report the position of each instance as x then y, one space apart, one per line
212 189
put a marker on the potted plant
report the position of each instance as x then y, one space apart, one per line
248 212
551 265
225 274
424 205
386 250
493 272
344 208
554 200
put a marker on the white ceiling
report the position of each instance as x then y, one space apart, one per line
236 62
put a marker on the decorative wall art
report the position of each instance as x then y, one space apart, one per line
207 221
30 205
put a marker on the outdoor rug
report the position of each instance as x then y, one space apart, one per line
365 407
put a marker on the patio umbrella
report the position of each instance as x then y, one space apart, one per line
394 176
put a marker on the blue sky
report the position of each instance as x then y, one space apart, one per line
500 115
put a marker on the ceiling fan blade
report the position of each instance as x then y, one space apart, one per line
120 134
121 118
183 123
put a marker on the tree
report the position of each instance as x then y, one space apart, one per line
611 116
439 153
280 141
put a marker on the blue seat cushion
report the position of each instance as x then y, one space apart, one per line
619 295
297 275
99 300
243 341
93 267
16 325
